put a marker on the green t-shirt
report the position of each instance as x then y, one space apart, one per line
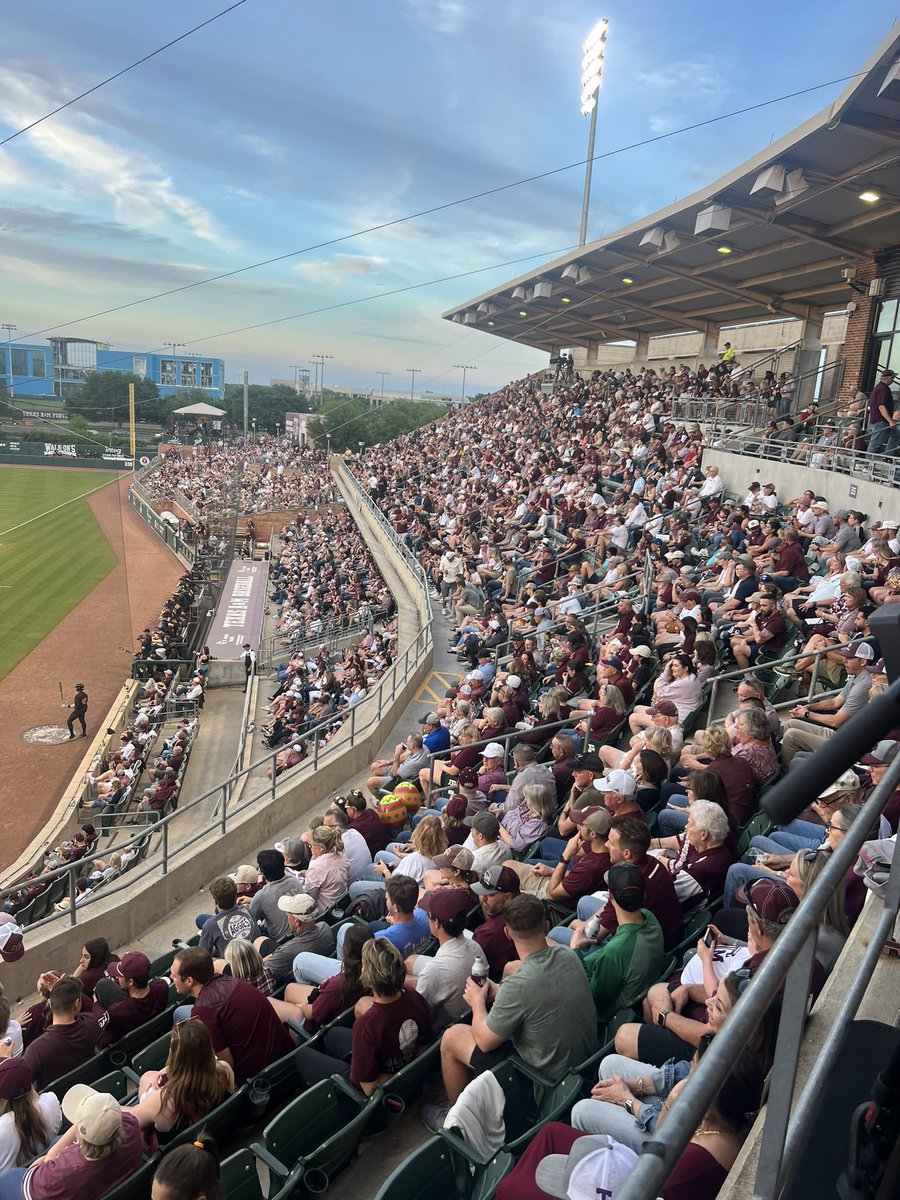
625 966
546 1009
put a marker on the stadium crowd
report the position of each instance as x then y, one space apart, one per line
601 907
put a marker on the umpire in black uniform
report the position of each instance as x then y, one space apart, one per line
79 708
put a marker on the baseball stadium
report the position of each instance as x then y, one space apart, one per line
505 809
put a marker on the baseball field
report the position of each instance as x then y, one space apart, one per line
53 552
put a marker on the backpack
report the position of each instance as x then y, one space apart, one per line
369 906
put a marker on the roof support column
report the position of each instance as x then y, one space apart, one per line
809 358
641 349
708 345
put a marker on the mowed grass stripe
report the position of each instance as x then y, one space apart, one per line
54 562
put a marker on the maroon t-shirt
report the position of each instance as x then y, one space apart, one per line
740 786
498 948
708 869
603 721
129 1014
242 1020
71 1176
328 1004
586 874
660 898
373 829
62 1048
388 1036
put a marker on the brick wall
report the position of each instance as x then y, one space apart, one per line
855 350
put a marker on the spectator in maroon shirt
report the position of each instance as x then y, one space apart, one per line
245 1031
127 997
69 1041
494 889
366 821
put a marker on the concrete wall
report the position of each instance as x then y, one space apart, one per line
123 918
790 479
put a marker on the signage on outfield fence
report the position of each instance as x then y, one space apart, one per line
239 613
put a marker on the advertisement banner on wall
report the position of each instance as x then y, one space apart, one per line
239 613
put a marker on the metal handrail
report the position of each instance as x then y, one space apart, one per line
789 962
842 461
389 686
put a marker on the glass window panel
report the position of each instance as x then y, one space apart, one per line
38 365
19 362
188 374
887 317
167 372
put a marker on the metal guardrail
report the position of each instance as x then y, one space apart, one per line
789 963
361 720
880 468
140 502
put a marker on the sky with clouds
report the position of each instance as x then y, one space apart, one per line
292 123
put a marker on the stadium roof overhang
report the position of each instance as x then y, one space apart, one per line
768 240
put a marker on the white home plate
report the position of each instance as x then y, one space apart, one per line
46 735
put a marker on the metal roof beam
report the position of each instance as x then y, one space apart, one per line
870 126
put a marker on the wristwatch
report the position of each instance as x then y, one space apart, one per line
661 1018
629 1106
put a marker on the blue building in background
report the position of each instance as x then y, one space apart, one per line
54 369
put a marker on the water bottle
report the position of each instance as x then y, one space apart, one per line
592 927
479 970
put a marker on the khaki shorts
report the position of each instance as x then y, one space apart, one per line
534 884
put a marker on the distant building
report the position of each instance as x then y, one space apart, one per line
56 368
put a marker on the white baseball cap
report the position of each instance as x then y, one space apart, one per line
595 1166
620 782
493 750
513 681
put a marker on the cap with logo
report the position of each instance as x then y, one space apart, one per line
97 1116
12 941
860 650
663 708
772 900
848 782
626 886
245 874
455 856
456 808
589 762
596 1167
133 965
430 718
486 824
496 878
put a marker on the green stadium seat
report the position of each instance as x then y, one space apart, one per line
438 1170
315 1137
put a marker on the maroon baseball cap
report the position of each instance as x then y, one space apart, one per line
446 904
133 965
663 708
772 900
16 1078
577 815
12 942
456 807
497 878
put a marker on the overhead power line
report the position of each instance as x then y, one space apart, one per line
118 75
437 208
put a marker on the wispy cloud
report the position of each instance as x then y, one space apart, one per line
443 16
335 270
682 87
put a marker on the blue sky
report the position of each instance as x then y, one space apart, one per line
292 122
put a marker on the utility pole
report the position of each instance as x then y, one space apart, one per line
464 367
382 374
321 358
414 371
10 329
175 346
246 402
296 367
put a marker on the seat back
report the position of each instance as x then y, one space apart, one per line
152 1057
238 1177
403 1089
320 1131
151 1031
136 1186
223 1123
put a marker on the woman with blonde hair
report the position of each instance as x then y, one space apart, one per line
328 874
245 962
414 858
531 819
191 1084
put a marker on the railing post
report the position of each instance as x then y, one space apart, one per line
224 806
165 847
784 1071
315 752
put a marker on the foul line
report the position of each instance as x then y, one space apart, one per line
40 516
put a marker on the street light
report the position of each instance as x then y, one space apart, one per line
414 371
328 444
319 360
360 444
10 329
253 423
464 367
297 368
594 49
382 374
174 346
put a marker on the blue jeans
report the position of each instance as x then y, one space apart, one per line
361 886
587 906
551 849
11 1183
884 439
561 934
384 856
796 835
670 822
741 873
183 1012
314 968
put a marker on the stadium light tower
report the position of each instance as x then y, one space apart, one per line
10 330
464 367
594 49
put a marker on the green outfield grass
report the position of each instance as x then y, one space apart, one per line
53 561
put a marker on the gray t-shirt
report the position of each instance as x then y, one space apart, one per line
442 979
264 906
856 692
548 1012
847 539
317 940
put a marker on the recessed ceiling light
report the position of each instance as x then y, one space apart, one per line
723 249
523 313
869 197
490 322
625 279
565 300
